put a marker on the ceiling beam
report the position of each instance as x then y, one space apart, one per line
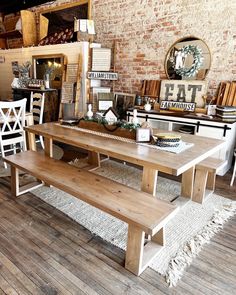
12 6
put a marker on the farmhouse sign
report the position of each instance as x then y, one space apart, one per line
184 91
178 105
103 75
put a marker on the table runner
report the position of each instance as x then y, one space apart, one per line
182 146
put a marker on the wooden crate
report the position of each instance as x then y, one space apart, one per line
108 129
10 23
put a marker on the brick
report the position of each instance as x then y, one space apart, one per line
146 29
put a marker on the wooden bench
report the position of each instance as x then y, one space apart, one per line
142 212
205 177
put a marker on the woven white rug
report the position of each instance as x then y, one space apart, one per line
186 233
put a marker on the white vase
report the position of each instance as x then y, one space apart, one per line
89 112
135 118
46 84
15 83
147 107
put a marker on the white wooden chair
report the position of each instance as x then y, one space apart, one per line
234 169
36 108
12 122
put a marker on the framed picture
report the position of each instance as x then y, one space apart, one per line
123 101
105 101
15 69
143 134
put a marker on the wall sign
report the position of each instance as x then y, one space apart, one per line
178 105
184 91
103 75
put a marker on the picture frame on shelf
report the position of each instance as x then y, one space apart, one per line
123 101
105 101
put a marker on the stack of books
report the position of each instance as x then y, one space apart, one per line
226 113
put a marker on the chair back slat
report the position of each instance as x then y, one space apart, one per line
12 116
12 123
37 106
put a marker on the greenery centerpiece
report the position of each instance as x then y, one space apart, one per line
120 128
24 71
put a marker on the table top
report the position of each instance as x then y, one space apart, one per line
144 156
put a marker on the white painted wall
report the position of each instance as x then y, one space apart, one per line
71 50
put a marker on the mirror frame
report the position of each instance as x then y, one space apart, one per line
50 56
181 40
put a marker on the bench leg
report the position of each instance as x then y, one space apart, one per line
159 237
16 189
187 183
138 255
134 251
14 181
200 185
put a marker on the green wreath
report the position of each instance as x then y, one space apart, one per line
196 52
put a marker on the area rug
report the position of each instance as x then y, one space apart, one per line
186 233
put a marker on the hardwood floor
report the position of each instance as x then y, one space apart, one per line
44 252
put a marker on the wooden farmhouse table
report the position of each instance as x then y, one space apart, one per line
150 159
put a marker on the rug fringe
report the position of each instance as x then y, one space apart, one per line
192 247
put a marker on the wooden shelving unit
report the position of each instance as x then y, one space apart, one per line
28 32
90 97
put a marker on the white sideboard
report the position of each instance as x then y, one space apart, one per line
202 127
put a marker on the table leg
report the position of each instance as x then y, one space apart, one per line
187 183
48 150
200 185
31 141
149 180
30 136
94 158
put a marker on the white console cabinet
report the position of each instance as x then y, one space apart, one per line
202 127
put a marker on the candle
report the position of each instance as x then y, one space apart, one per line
135 119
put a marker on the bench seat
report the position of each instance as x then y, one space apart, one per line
205 177
142 212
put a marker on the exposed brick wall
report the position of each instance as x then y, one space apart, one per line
145 29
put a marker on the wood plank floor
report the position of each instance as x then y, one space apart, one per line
44 252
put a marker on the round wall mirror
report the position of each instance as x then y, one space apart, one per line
188 59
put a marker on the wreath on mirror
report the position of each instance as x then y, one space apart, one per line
196 52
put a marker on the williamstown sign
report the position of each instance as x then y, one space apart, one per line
102 76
